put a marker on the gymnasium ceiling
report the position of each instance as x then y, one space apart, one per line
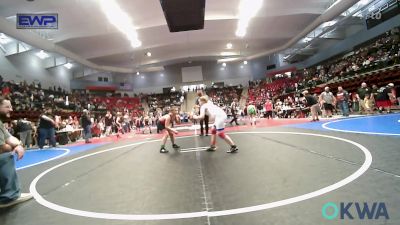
85 30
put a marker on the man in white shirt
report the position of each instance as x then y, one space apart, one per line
328 100
216 114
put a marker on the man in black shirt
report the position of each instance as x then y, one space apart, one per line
312 103
47 128
383 99
361 93
108 122
233 109
205 120
86 125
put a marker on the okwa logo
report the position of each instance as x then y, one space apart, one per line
352 210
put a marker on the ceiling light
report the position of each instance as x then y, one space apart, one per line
245 62
162 75
241 32
42 54
137 73
224 64
307 39
232 59
4 39
228 53
247 10
148 54
229 45
121 21
329 23
68 65
363 2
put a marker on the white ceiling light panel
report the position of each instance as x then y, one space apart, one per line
247 10
121 21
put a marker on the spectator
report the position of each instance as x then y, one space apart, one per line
47 126
268 108
374 93
328 101
369 104
342 98
312 103
10 191
108 122
383 98
86 125
361 92
24 128
233 109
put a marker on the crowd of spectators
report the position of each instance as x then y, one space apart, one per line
165 100
381 52
31 102
224 96
284 90
33 98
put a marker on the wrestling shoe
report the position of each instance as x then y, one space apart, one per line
232 149
163 150
211 149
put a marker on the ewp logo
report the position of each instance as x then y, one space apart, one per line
37 21
374 16
363 211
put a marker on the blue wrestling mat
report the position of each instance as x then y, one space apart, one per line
35 157
374 125
377 125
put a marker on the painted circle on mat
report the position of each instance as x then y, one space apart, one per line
39 198
375 125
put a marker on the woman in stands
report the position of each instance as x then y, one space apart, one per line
165 123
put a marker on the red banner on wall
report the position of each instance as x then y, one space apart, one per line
101 88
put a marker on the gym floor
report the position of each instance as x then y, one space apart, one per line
284 173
